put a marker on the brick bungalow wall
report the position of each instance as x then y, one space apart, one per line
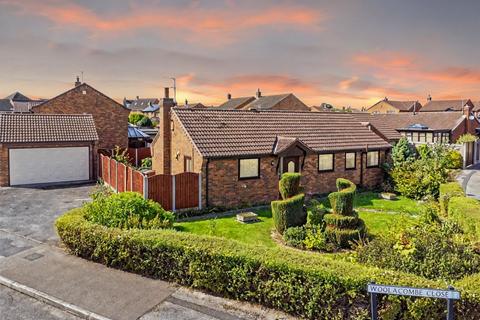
111 118
4 156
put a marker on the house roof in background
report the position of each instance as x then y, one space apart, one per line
236 103
388 123
401 105
142 103
151 108
28 127
5 105
266 102
228 133
445 105
17 96
134 132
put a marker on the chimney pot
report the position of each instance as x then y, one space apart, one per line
77 83
429 98
167 92
138 97
229 96
259 93
186 103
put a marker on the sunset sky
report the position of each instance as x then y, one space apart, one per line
340 52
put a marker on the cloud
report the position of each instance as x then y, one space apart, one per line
198 23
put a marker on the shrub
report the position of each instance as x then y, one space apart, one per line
466 212
315 239
402 151
289 185
342 200
127 210
315 213
302 284
134 118
146 163
145 122
447 191
467 137
454 160
289 213
295 237
121 156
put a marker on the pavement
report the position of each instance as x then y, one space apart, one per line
469 179
39 280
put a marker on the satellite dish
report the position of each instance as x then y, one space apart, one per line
471 117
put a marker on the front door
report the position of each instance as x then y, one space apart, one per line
291 164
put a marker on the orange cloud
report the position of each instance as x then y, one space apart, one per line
215 23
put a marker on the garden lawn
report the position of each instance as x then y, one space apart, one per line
259 233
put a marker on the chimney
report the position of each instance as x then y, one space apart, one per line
385 99
415 107
186 103
77 83
138 97
229 96
163 148
429 98
259 93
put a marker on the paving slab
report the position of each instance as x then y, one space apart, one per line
108 292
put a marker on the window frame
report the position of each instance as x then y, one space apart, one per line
378 159
333 162
249 177
185 159
354 161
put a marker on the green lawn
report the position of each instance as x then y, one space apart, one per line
259 233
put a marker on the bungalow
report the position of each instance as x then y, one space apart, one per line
447 105
287 101
241 154
392 106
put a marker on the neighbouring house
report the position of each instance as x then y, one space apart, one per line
17 102
422 127
138 104
192 105
393 106
137 138
241 154
447 105
151 111
111 118
47 148
286 101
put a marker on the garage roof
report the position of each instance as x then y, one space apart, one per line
28 128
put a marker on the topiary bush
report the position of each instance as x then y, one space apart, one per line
127 210
343 225
315 213
289 185
447 191
289 213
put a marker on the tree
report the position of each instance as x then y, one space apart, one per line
402 151
134 118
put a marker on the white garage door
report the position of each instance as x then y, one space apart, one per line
48 165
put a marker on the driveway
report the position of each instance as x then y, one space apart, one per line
31 212
470 180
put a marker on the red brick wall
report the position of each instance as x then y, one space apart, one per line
4 161
225 189
111 119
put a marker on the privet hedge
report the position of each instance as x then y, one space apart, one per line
310 285
466 212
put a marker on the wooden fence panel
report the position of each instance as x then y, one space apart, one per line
122 176
113 174
142 154
128 177
137 181
160 190
186 190
105 169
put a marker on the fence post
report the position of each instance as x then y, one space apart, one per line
131 178
116 175
145 186
109 172
173 192
136 157
200 191
125 172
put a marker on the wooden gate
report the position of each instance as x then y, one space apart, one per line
186 190
160 190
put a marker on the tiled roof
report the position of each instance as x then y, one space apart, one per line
17 96
225 133
134 132
266 102
26 127
405 105
388 123
445 105
236 103
142 103
25 106
476 105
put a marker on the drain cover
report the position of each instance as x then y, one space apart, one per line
33 256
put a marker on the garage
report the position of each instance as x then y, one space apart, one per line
51 165
39 149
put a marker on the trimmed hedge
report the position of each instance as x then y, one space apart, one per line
342 200
447 191
289 185
289 213
309 285
466 212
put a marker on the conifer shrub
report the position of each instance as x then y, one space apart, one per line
289 213
289 185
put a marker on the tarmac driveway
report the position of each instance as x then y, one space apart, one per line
31 212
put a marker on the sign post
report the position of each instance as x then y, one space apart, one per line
375 289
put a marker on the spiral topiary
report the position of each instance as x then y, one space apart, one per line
289 211
343 225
